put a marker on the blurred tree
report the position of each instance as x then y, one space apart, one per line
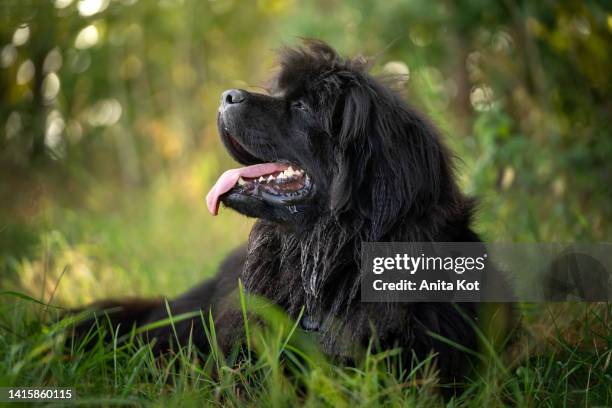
123 89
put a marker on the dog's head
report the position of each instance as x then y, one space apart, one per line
329 140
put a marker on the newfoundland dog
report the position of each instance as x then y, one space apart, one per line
332 158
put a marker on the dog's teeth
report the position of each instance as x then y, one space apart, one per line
241 181
271 178
261 179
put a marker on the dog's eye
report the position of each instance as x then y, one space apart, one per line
300 105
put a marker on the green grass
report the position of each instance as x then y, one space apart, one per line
282 366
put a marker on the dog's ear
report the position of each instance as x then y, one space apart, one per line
390 161
351 151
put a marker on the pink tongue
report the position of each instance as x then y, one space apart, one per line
230 177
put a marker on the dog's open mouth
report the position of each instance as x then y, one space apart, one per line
275 183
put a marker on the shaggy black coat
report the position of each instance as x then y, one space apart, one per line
381 173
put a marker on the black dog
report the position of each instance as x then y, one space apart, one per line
333 158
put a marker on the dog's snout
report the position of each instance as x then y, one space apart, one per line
232 97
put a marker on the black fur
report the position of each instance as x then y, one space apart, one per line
380 173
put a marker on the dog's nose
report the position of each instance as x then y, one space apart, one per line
232 97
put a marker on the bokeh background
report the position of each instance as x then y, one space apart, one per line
108 142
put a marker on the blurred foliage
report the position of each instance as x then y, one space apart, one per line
107 122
